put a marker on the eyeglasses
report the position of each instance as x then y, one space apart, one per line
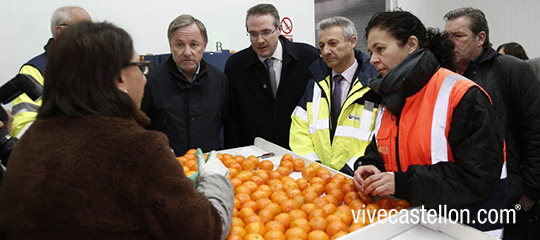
265 34
144 66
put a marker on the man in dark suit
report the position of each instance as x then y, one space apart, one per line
266 80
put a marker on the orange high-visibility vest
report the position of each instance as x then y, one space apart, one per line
424 124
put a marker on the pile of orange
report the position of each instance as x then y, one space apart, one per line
189 162
269 204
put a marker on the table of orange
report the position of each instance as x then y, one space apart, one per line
288 197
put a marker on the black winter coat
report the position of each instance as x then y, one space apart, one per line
515 92
252 110
190 114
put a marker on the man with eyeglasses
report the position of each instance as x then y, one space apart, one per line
266 80
24 110
185 97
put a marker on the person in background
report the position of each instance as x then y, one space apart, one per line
513 49
513 88
438 141
24 109
186 97
333 122
266 80
87 168
535 65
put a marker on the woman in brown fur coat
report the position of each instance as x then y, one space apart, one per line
87 168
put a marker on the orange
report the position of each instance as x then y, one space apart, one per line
318 235
329 208
338 235
274 175
298 164
333 199
253 218
316 180
318 223
301 223
288 182
288 164
310 196
258 194
385 203
295 232
258 180
235 212
254 236
346 216
266 165
284 171
286 157
338 194
274 225
232 173
245 212
308 207
278 197
402 202
284 219
236 221
293 192
256 227
238 230
332 218
240 159
334 227
262 202
300 200
243 197
356 204
276 186
319 188
326 177
317 213
255 160
227 156
346 188
229 162
274 235
236 166
244 175
250 204
274 208
302 183
191 164
265 215
373 208
309 172
320 202
296 214
356 226
191 151
365 197
329 187
265 188
251 185
315 165
234 237
349 197
248 166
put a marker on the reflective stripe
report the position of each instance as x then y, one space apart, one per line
316 104
497 233
439 147
24 107
313 156
504 174
351 162
300 113
319 124
348 131
367 115
378 121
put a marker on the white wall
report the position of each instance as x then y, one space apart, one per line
509 21
25 23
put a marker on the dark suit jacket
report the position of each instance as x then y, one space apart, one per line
252 110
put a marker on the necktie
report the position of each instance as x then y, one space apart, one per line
272 74
338 96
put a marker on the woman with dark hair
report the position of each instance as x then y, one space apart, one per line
87 168
438 142
513 49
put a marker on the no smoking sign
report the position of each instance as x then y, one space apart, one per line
286 25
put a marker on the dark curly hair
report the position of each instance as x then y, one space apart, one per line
402 24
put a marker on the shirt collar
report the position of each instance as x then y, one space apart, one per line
196 72
349 73
278 54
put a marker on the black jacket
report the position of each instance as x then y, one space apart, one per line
515 92
190 114
252 110
474 138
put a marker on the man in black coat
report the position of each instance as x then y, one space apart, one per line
266 80
513 89
186 97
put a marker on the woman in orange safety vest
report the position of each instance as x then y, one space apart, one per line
438 141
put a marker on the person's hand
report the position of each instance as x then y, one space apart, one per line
7 125
380 184
212 165
362 173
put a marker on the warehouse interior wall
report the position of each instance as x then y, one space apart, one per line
509 21
26 24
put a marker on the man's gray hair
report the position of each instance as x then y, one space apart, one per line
183 21
60 16
478 21
348 26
